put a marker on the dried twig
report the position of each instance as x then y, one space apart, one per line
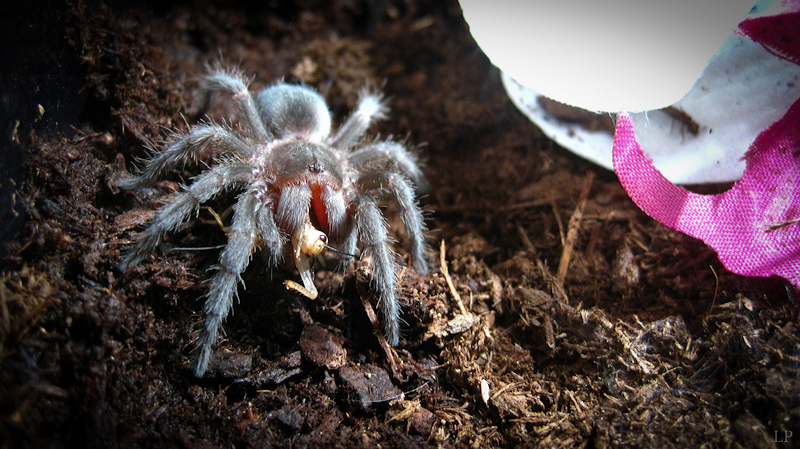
572 232
781 224
446 274
379 333
525 240
484 208
560 224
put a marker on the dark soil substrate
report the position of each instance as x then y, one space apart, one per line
647 342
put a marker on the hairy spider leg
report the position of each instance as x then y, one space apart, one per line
386 185
371 108
250 224
388 154
233 82
349 244
372 230
186 203
187 147
293 216
272 239
293 207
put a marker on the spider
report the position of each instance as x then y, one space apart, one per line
300 186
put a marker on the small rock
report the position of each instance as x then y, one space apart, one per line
422 421
329 384
322 348
278 372
231 365
289 417
367 385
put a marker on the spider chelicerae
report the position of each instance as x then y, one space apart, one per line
300 186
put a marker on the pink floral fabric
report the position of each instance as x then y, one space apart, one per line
755 226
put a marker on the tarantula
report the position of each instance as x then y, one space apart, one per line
299 186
